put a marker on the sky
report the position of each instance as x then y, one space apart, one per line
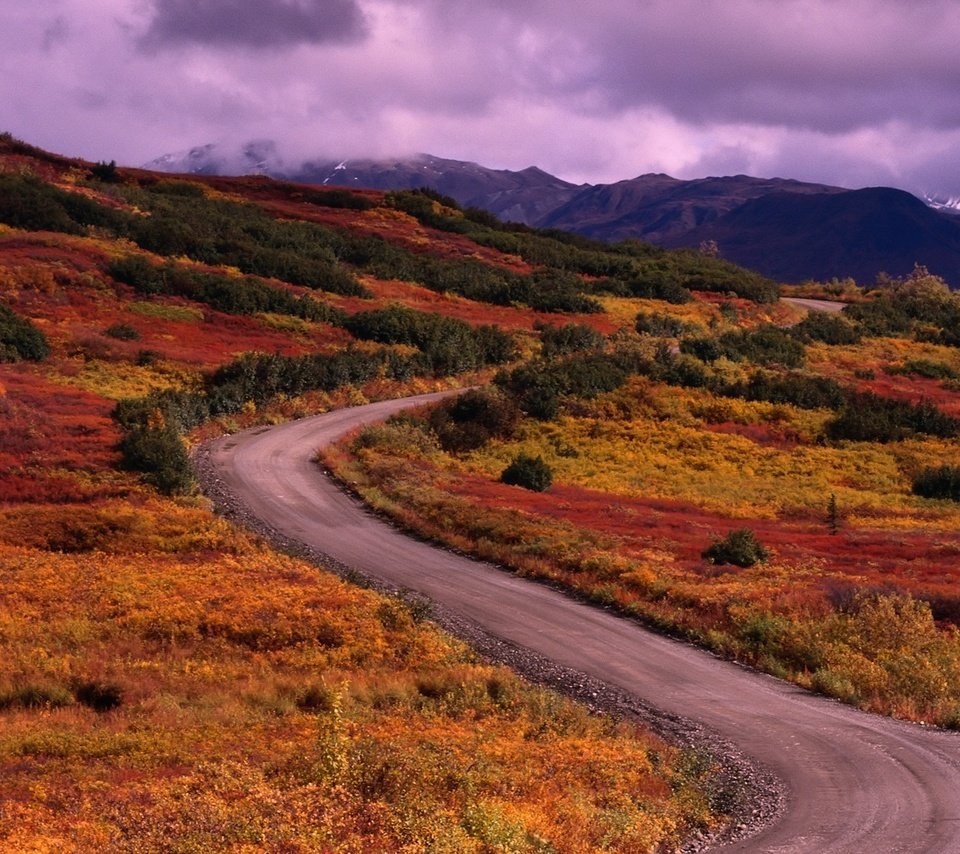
847 92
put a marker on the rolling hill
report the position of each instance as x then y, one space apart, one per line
786 229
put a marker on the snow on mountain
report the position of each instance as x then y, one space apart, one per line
947 204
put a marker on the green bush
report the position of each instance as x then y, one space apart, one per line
828 328
450 346
939 482
106 172
20 339
29 203
228 294
766 345
529 472
538 386
122 332
660 325
36 697
99 696
867 417
929 368
740 548
569 338
474 418
159 453
800 390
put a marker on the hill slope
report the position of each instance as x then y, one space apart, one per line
785 237
169 682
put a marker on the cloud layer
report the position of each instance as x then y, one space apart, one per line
238 23
852 92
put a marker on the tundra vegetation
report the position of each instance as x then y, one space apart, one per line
171 683
785 494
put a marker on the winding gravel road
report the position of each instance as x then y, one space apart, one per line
828 305
854 783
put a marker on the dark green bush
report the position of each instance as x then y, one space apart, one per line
228 294
800 390
928 368
740 548
657 284
473 419
538 386
683 371
99 696
183 221
529 472
867 417
569 338
766 345
332 198
940 482
450 346
106 172
122 332
20 339
36 697
826 327
559 291
29 203
159 453
660 325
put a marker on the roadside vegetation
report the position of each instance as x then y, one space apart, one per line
785 496
170 683
653 430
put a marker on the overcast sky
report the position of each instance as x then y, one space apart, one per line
851 92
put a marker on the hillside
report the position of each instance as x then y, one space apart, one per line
786 229
526 196
653 429
170 682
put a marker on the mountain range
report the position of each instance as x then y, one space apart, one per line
786 229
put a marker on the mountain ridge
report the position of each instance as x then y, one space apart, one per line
781 238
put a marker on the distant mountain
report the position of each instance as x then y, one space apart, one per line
858 233
252 158
659 208
789 230
526 196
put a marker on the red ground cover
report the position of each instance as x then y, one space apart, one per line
910 560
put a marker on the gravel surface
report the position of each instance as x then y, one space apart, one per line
752 796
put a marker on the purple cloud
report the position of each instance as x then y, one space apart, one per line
239 23
851 92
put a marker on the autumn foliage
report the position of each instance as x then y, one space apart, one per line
170 682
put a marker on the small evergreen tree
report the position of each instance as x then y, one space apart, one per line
833 517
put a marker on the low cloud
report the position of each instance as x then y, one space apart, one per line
848 92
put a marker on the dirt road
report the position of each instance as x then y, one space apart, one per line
855 783
827 305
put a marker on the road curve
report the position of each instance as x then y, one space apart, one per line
827 305
855 783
